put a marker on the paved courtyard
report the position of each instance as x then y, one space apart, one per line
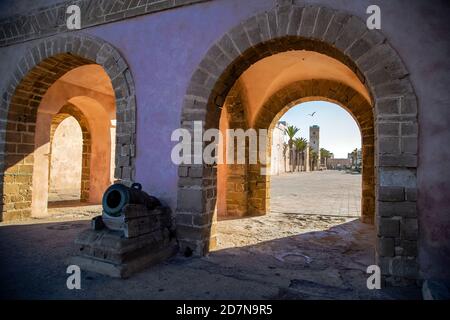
295 252
331 192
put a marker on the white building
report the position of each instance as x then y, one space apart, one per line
279 159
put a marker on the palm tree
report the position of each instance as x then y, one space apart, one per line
325 154
285 146
291 131
300 146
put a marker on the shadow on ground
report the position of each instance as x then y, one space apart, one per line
327 264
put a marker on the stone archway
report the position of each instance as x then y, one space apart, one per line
242 190
66 111
345 38
43 64
332 91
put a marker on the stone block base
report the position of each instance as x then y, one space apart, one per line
110 253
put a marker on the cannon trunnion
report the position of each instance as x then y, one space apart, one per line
134 231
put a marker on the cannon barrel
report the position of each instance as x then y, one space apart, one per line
118 196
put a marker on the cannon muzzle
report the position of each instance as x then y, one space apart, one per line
117 196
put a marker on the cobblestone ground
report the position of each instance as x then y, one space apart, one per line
295 252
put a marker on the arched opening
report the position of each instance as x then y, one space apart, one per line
309 198
91 103
318 170
372 84
263 93
66 161
55 82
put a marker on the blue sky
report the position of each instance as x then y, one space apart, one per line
339 132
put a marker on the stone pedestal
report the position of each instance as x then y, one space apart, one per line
146 239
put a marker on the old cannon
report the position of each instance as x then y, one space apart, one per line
118 197
134 231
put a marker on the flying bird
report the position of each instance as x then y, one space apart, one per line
312 114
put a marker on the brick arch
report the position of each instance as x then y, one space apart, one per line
367 52
43 64
69 110
311 90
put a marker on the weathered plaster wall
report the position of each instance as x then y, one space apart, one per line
65 166
279 158
163 50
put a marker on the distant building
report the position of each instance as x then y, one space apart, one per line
279 158
338 163
314 138
314 143
356 160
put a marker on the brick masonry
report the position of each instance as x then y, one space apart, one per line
247 192
336 92
43 64
392 147
289 26
237 188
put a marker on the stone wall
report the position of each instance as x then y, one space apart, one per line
163 50
368 55
335 163
43 64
